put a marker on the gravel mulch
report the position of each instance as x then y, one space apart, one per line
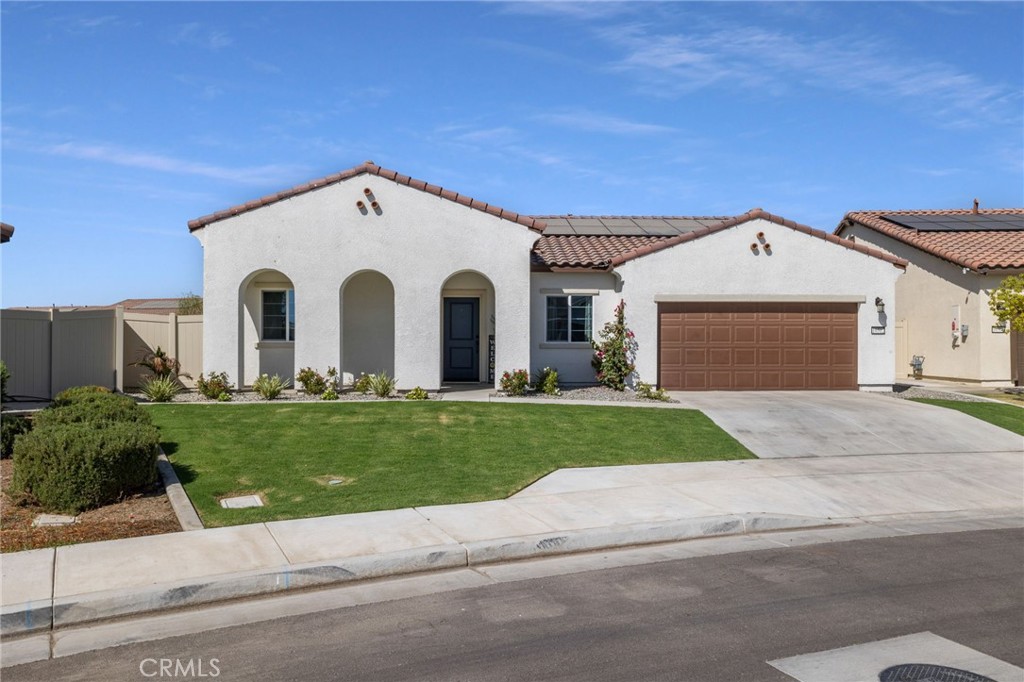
147 513
908 392
590 393
286 396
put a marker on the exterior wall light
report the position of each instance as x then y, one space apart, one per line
879 304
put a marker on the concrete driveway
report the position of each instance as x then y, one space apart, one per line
828 423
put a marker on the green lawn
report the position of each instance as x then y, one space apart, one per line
409 454
1010 417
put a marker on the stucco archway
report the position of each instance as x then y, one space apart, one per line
266 325
367 325
467 328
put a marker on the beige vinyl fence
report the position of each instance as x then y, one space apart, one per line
47 351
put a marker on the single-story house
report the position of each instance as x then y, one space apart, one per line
370 270
956 258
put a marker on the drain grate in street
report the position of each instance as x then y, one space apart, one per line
926 672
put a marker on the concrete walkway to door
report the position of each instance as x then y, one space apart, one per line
829 423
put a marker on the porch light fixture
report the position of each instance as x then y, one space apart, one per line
879 304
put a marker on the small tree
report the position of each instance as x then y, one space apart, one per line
190 304
615 355
1007 302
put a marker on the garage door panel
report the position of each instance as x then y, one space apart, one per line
752 346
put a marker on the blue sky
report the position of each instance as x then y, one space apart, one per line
122 121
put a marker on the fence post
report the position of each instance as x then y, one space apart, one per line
119 348
172 335
55 369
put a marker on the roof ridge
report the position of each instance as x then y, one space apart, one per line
373 169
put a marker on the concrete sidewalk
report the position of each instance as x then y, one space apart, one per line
568 511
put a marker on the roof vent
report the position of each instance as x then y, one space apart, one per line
975 209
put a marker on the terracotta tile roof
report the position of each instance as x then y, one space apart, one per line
6 231
606 252
373 169
974 249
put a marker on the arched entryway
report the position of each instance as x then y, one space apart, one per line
367 325
267 325
467 328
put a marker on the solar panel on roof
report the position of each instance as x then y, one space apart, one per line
960 223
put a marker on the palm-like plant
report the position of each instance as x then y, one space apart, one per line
161 364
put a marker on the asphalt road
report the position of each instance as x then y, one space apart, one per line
708 618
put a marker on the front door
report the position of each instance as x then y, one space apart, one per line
461 339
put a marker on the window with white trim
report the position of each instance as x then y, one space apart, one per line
279 315
569 318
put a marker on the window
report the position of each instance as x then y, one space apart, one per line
569 318
279 315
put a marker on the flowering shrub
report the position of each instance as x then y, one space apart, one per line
315 383
214 386
547 381
615 354
515 382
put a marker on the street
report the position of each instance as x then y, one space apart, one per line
707 618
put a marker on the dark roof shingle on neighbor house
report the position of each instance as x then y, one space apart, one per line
6 232
961 239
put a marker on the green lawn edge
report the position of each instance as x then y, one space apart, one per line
394 455
1009 417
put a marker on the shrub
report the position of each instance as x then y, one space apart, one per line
614 356
161 389
71 467
10 427
214 386
515 382
224 397
381 385
547 381
329 394
5 376
269 387
75 393
362 384
417 394
96 409
312 381
649 392
161 364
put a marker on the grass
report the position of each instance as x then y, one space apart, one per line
394 455
1009 417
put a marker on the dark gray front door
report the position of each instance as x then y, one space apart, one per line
461 339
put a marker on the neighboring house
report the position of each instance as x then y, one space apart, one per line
6 232
957 257
370 270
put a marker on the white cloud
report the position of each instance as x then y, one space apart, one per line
581 119
195 33
247 175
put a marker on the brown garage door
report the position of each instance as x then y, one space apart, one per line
757 346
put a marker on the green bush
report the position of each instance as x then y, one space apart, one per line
213 386
649 392
5 376
76 466
161 389
515 382
615 355
381 385
10 427
96 408
224 397
75 393
312 381
362 384
547 382
269 387
417 394
329 394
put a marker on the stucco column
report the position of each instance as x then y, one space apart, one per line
417 335
512 323
222 311
317 324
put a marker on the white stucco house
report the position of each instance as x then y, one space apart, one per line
369 270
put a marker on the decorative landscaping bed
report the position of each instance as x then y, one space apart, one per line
602 393
147 513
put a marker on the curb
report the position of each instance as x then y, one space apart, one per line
62 612
188 518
